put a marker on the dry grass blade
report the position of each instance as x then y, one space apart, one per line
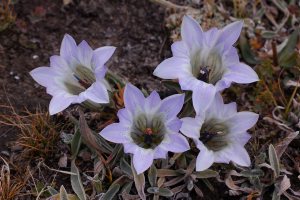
38 133
9 188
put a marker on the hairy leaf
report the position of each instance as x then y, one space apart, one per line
76 182
139 181
274 162
111 192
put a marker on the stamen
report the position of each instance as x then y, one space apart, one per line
204 74
84 83
148 131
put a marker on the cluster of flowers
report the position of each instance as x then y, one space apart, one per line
203 62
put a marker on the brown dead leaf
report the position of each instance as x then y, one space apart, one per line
282 145
284 185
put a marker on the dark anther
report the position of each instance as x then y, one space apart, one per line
83 83
204 74
206 136
148 139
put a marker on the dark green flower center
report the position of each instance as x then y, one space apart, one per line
148 131
213 135
83 78
207 68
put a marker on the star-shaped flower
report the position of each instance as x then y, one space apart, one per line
76 75
148 127
220 134
206 62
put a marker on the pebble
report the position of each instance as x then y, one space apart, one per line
35 57
17 77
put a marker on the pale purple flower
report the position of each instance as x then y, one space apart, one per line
76 75
220 134
148 127
206 62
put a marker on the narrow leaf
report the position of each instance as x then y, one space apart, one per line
139 181
246 51
76 182
76 142
206 174
111 192
152 175
274 162
63 193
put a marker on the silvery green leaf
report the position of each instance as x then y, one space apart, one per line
127 187
167 172
153 190
52 191
274 162
246 51
152 175
75 143
111 192
66 137
125 167
206 174
76 182
165 192
285 56
268 34
139 181
172 85
190 184
252 173
63 193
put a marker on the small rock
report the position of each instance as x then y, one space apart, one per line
17 77
34 57
63 161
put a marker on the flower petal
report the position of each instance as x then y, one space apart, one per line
173 68
130 147
97 93
174 124
202 97
172 105
205 158
125 116
191 127
43 75
102 55
100 72
68 47
60 102
238 154
241 122
176 143
241 73
230 33
59 64
160 153
179 49
133 97
188 82
84 54
142 159
152 102
116 133
191 33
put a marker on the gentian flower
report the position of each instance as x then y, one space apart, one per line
76 75
206 62
220 134
148 127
